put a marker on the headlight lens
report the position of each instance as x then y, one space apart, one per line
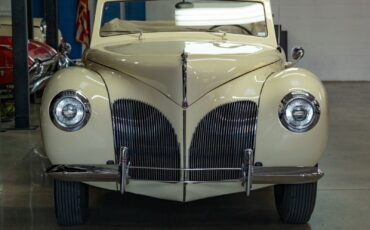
299 111
70 110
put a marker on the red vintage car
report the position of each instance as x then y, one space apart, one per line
42 62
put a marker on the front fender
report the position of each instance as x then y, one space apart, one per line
276 145
93 144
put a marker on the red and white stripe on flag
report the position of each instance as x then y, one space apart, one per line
83 23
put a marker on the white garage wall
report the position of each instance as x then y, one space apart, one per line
334 33
160 11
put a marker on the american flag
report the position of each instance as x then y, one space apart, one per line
83 23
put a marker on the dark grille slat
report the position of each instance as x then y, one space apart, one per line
150 138
220 140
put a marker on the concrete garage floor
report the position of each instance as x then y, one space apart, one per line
343 202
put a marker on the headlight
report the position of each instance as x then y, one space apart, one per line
70 110
299 111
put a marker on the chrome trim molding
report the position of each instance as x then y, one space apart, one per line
259 175
124 165
247 170
286 175
184 60
107 173
184 144
34 86
42 70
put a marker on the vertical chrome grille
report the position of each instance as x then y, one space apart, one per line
220 140
150 138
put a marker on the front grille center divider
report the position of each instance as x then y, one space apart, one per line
184 66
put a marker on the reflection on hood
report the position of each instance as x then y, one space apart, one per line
208 64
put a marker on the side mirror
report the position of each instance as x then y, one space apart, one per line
297 55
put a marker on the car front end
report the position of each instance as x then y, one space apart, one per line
182 133
184 115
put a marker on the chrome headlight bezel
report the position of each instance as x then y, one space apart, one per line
299 96
72 95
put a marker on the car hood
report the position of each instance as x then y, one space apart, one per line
184 70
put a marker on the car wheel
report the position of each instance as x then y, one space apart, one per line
71 200
295 202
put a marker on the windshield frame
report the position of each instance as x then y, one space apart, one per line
194 28
97 38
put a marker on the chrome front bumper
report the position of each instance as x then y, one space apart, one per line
251 174
261 175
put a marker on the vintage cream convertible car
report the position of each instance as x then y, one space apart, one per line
196 101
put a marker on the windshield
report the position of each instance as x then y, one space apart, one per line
237 17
